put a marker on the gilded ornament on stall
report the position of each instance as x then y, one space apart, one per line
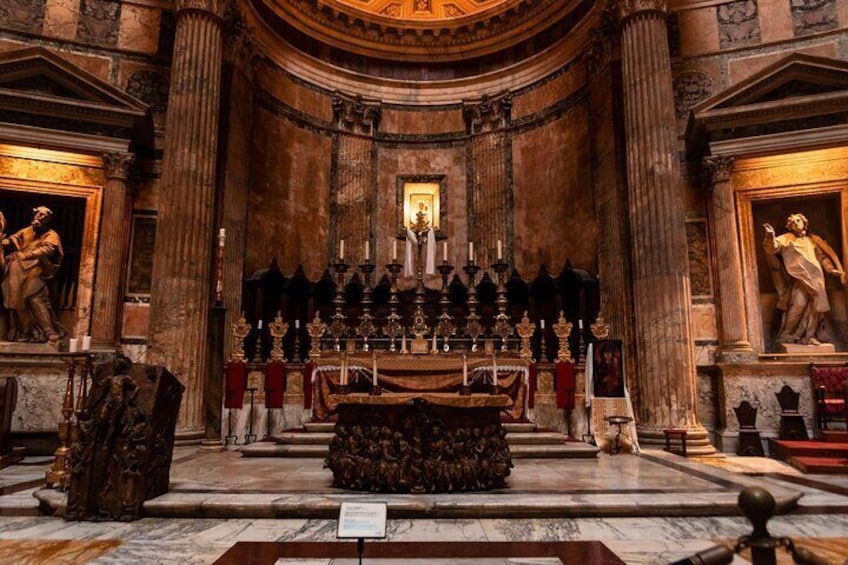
241 329
525 330
278 329
562 329
600 329
315 329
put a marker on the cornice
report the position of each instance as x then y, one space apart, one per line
444 40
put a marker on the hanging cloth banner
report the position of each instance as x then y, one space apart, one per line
275 384
531 400
409 264
235 382
566 383
307 385
430 265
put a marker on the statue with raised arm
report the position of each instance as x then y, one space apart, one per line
33 255
800 280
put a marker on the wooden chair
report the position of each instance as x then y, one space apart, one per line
830 394
792 424
749 437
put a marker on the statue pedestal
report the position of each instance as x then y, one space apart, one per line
801 349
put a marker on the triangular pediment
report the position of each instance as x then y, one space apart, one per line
40 89
799 93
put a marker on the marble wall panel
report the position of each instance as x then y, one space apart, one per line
288 209
139 28
742 68
61 19
553 203
775 21
549 92
698 31
760 392
23 15
704 324
136 320
813 16
99 22
41 389
410 160
281 86
98 66
422 122
738 24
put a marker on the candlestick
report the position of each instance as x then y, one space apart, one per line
367 250
579 324
494 374
341 249
500 250
374 368
86 342
222 237
297 324
394 249
435 347
542 323
445 251
73 345
343 375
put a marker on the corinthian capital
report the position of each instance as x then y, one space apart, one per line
117 165
629 8
213 7
717 169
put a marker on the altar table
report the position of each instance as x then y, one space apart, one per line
422 374
419 442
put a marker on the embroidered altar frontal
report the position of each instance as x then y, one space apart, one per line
426 373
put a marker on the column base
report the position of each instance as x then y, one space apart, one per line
736 353
184 438
697 439
212 445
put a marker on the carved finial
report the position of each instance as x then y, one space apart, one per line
562 329
241 329
315 329
600 329
525 330
278 329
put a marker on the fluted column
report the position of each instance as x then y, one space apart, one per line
184 238
667 387
734 346
111 249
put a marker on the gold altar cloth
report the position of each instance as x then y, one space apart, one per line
421 373
450 399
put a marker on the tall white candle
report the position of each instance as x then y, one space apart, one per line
222 237
500 250
435 345
259 325
471 251
73 345
494 370
367 250
374 368
86 342
464 370
341 249
445 251
403 343
297 324
343 375
542 322
394 250
579 324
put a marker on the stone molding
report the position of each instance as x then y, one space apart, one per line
630 8
490 114
215 8
355 116
117 165
717 169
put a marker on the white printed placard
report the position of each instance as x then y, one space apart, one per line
362 520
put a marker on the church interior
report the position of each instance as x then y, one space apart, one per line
539 280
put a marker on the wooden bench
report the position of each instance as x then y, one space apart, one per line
679 437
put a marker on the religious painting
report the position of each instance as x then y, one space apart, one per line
421 200
607 369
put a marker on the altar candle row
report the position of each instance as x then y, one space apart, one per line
74 344
395 250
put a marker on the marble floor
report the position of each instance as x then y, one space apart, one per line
654 508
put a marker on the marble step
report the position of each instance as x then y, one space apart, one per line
510 427
324 438
570 450
270 449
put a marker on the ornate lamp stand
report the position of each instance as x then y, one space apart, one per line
393 327
366 320
338 328
473 327
562 329
445 327
525 330
316 329
278 329
502 326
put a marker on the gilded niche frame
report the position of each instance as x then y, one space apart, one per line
413 191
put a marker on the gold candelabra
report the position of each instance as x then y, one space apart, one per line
315 329
241 329
525 330
278 329
562 329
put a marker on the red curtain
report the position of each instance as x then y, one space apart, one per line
235 381
275 384
566 383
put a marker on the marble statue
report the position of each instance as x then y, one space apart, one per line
33 255
802 294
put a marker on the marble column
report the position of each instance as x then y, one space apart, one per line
734 346
662 298
182 283
111 251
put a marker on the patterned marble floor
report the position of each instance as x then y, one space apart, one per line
820 520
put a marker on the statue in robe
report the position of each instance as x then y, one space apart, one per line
805 260
32 257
